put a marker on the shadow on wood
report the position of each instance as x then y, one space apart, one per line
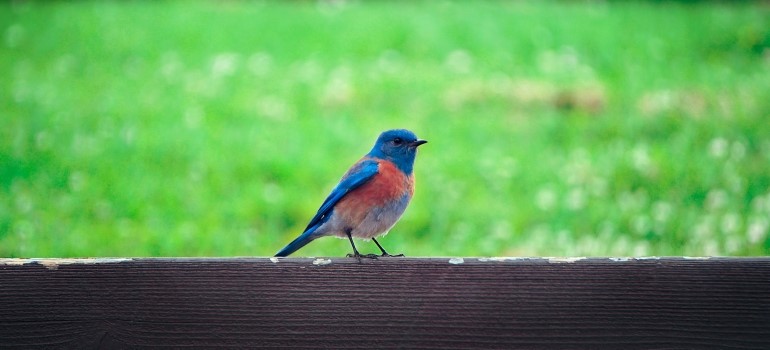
435 303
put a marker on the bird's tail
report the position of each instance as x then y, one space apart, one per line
299 242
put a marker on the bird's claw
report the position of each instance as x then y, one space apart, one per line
359 256
392 256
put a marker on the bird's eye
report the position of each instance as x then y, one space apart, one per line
397 141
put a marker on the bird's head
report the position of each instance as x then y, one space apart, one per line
398 146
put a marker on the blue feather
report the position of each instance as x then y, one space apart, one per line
299 242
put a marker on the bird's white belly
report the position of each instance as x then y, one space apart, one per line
376 223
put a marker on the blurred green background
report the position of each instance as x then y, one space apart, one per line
217 128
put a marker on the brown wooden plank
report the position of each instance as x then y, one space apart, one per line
671 303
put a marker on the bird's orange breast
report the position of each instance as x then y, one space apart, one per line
388 185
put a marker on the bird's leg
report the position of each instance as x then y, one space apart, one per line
384 253
355 251
356 254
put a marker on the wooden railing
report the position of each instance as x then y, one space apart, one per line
409 303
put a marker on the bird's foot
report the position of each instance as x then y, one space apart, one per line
386 255
359 256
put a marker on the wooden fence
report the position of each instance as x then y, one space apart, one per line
411 303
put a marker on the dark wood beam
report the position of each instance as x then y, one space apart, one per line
427 303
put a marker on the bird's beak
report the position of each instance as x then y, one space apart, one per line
416 143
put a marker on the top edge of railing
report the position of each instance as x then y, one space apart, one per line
321 261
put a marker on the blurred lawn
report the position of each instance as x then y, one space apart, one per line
217 128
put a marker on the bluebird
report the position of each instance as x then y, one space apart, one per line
370 197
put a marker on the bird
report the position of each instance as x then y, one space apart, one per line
369 198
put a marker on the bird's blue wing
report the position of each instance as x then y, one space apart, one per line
358 175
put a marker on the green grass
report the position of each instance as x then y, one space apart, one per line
217 128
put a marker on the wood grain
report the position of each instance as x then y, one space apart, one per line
470 303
